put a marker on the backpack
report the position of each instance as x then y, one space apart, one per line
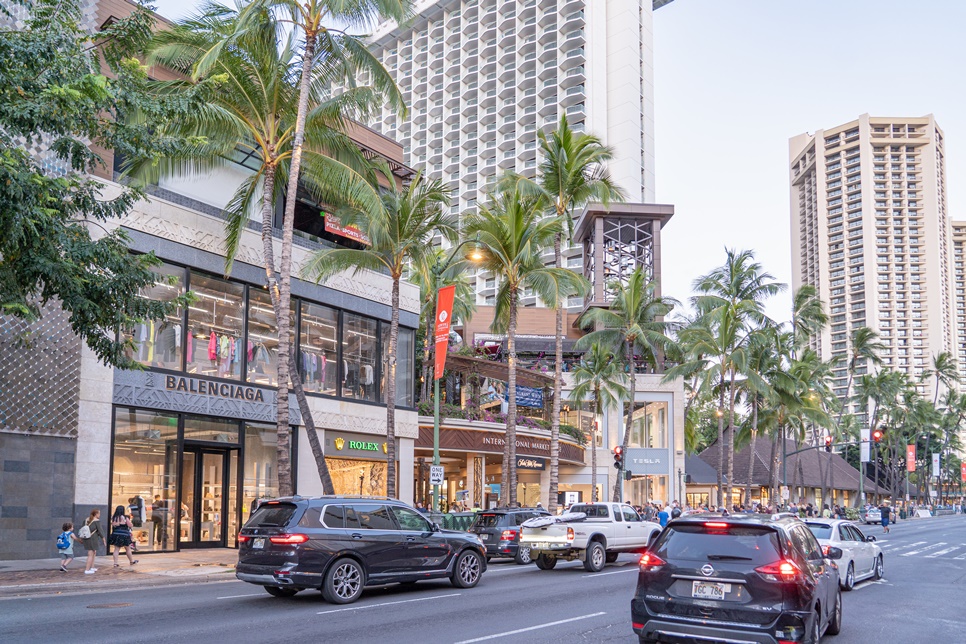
63 541
84 532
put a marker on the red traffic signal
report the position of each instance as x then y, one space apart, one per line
877 435
619 457
828 443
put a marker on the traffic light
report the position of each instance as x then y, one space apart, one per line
619 457
877 435
828 443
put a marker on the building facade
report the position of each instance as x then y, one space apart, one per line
958 276
870 230
482 77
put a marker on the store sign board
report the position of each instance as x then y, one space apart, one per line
645 461
464 440
348 444
530 463
334 225
527 397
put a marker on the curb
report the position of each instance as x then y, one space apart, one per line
144 580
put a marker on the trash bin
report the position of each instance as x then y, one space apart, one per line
902 514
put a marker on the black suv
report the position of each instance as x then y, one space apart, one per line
743 578
499 529
341 544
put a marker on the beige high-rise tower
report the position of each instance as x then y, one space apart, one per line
870 230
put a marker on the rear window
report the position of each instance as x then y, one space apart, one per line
751 544
274 515
592 511
488 521
820 530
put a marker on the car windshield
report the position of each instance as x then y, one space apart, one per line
271 515
488 520
757 545
820 530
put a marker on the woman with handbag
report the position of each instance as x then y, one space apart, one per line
121 534
92 536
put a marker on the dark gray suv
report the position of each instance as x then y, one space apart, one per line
755 579
342 544
500 528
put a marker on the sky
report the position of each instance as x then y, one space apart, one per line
735 79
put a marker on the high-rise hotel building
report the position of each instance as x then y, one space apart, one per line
481 77
959 294
870 230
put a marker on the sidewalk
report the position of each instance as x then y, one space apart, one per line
43 576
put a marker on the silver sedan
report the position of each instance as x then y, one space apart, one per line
861 557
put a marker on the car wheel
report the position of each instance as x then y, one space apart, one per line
611 557
877 571
275 591
816 628
467 570
523 556
835 622
848 582
343 582
595 557
546 562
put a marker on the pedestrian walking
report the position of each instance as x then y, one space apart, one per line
92 536
663 516
121 534
65 545
884 512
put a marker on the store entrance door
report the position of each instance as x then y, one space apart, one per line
204 495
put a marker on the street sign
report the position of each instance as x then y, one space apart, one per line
864 445
935 465
435 474
784 492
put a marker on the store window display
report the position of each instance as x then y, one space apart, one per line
319 346
216 326
405 345
262 346
359 347
157 343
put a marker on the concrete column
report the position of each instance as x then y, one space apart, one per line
93 461
308 483
545 486
470 479
406 475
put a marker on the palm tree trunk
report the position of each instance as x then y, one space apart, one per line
629 348
285 269
557 382
731 436
328 487
510 450
751 463
721 456
773 478
390 379
428 348
593 447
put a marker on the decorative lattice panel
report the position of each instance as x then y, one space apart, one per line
39 375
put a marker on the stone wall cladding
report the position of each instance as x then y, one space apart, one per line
36 494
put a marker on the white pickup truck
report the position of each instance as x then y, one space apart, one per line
594 533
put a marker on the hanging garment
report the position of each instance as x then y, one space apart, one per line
367 374
251 347
177 335
322 368
150 355
213 347
191 347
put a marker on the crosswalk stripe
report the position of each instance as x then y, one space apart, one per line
908 545
942 552
921 550
962 556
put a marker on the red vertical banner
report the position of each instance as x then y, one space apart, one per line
962 471
910 458
444 311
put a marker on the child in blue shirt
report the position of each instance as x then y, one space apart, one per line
65 545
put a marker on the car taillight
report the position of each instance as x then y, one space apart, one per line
289 539
508 535
825 550
780 571
570 534
649 561
243 538
716 525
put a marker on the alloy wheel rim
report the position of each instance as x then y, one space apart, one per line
817 629
346 580
469 569
598 556
878 567
525 555
850 577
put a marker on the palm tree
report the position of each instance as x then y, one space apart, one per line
400 233
513 233
944 370
864 347
598 377
763 357
251 108
571 174
731 301
633 323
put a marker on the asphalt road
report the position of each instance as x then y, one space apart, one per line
920 600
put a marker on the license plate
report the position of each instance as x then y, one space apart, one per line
540 545
258 544
709 590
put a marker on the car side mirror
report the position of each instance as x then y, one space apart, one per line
870 538
834 553
434 527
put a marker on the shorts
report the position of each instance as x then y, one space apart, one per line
66 553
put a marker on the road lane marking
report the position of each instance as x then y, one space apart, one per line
921 550
530 628
604 574
404 601
942 552
962 556
908 545
248 595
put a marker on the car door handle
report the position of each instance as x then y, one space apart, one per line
356 535
410 539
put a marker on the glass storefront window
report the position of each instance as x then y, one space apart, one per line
145 467
318 356
261 472
216 430
359 348
215 327
262 348
158 343
649 428
355 477
405 345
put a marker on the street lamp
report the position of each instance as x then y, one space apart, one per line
438 270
